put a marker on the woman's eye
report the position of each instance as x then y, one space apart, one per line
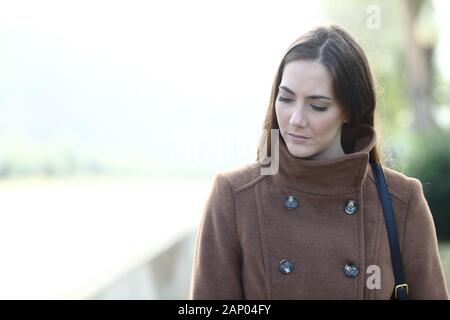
282 99
317 108
321 109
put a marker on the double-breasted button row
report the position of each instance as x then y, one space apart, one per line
286 267
291 202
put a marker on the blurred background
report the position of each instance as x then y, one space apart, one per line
116 115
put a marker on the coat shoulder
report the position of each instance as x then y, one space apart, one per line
400 185
243 177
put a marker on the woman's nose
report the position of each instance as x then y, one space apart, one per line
298 117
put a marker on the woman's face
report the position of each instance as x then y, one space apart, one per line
306 106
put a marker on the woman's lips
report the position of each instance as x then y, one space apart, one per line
298 136
298 139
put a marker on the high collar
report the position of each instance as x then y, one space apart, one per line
330 177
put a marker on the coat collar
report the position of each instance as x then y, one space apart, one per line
330 177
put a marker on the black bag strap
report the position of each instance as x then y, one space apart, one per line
401 288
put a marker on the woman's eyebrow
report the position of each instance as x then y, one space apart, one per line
318 97
314 96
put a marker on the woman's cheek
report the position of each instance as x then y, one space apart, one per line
283 118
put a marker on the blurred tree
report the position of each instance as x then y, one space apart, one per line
420 43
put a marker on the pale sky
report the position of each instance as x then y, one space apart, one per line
150 70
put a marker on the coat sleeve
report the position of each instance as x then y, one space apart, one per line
421 261
216 271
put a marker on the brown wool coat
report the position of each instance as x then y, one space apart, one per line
246 230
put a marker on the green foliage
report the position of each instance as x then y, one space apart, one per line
430 163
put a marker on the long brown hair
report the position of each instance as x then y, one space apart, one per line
353 83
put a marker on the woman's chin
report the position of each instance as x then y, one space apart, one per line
300 151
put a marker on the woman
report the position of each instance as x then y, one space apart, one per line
313 227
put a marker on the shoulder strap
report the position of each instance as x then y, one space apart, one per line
401 288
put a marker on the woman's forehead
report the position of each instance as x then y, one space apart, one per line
305 77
